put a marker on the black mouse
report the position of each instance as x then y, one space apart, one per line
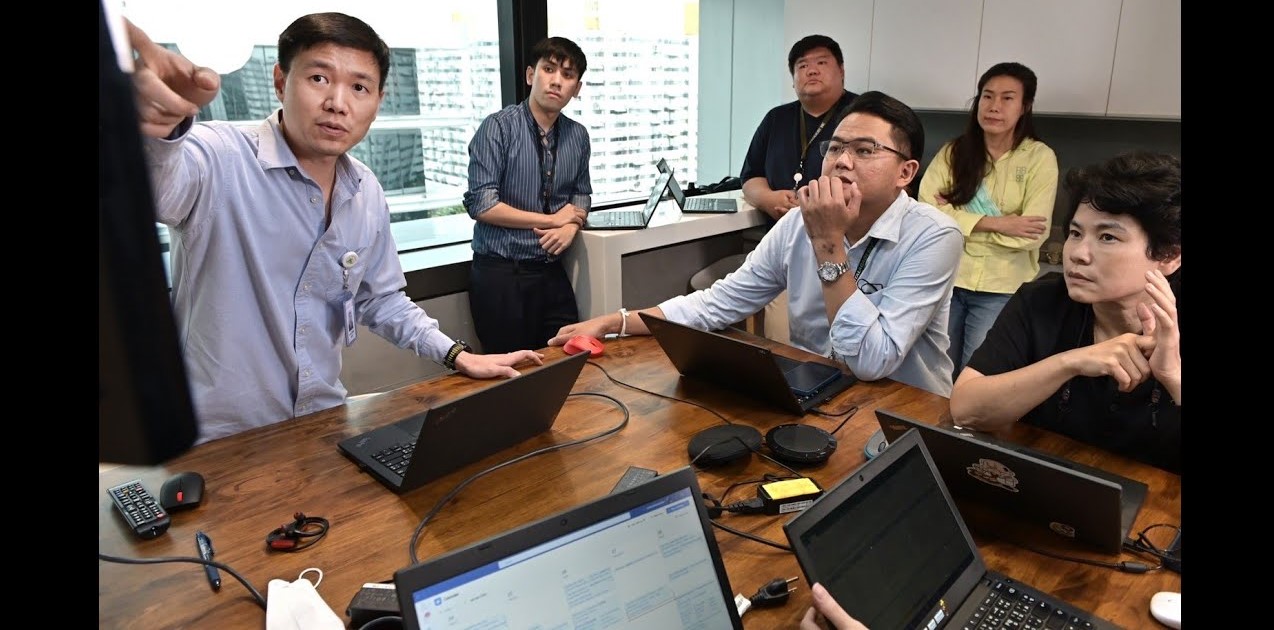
183 492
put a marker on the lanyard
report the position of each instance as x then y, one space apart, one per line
805 144
862 263
546 142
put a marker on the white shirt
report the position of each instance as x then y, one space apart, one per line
898 330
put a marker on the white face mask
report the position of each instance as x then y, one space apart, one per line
297 606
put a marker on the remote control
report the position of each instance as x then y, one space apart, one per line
140 510
634 476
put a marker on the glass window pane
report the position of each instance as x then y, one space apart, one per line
444 79
641 89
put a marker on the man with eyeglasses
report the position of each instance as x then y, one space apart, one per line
869 270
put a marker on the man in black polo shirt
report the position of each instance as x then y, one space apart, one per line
784 153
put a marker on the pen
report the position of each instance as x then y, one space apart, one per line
205 551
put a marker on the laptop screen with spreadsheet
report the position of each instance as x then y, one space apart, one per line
641 558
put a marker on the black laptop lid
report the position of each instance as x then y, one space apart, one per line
1015 480
642 558
888 543
718 359
673 187
459 432
749 369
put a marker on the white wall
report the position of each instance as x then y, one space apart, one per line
742 74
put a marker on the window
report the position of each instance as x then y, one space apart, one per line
640 99
444 80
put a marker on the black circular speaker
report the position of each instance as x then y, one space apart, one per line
723 444
800 444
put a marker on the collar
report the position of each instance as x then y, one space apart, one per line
841 101
273 151
888 227
530 118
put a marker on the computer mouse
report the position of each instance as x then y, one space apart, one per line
1165 606
581 343
182 492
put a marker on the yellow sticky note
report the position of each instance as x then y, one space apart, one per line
790 488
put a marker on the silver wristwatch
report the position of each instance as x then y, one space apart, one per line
830 271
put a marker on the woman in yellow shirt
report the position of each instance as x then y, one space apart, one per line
999 182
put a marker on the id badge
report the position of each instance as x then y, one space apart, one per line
351 328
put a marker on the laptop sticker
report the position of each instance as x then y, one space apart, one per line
994 473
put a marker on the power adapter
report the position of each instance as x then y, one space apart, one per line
788 495
373 601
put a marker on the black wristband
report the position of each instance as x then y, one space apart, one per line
449 361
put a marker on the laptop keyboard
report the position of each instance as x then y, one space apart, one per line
621 217
708 204
1011 606
396 457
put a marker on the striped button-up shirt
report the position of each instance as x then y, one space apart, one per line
509 163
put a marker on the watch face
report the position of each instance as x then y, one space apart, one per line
829 272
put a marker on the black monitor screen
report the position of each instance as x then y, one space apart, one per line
144 413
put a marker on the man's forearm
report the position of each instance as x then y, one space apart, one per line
504 215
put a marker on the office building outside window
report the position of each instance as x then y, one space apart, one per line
640 99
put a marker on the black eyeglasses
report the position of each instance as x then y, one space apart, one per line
859 149
868 288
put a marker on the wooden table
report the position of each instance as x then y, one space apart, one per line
257 479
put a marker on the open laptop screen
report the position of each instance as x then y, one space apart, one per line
891 549
648 565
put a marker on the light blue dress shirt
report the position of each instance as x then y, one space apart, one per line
257 281
896 328
504 166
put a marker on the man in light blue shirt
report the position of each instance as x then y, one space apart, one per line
868 269
280 240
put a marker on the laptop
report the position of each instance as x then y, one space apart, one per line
410 453
1076 501
891 548
642 558
793 386
695 205
629 219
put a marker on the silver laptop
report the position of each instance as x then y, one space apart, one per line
412 452
1073 500
630 219
889 545
695 205
642 558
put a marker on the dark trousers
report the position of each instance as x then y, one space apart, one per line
519 305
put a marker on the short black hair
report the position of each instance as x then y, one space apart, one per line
810 42
315 29
909 133
1141 184
558 49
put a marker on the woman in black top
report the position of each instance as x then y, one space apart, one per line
1095 354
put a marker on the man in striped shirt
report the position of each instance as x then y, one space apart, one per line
529 192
